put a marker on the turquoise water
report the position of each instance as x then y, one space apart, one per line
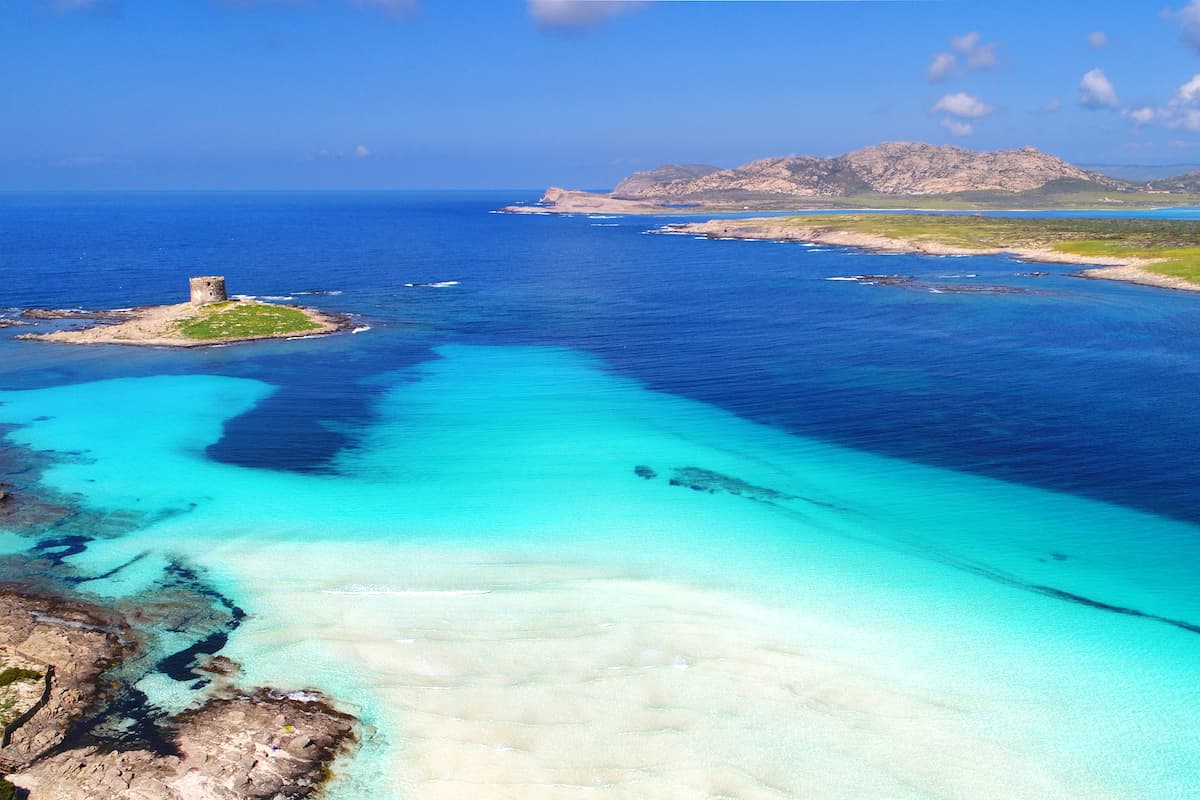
918 544
496 475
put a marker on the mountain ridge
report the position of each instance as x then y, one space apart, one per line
890 168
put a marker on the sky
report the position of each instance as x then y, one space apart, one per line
414 94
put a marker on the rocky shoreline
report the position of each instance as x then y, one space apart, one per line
158 326
236 745
1129 270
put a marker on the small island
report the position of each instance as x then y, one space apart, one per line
1163 253
209 318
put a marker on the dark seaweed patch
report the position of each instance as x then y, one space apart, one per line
61 547
179 666
1071 597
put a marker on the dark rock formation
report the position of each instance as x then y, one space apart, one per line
92 736
74 313
244 747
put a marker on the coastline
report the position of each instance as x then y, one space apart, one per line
158 326
1126 269
558 201
79 664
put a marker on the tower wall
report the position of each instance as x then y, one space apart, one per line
208 289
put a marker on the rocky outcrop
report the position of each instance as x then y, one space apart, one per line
79 642
245 747
236 745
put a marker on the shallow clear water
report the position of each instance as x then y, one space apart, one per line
943 543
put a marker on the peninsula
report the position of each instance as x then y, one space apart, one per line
1163 253
209 318
893 175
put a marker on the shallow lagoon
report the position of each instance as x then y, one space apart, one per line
439 521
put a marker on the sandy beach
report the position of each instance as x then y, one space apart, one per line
1130 270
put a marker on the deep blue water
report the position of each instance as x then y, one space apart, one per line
1082 386
477 490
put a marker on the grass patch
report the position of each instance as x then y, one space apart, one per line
1174 244
7 790
236 320
13 675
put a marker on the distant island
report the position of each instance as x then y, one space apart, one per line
209 318
1162 253
893 175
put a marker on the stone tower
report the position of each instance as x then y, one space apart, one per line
208 289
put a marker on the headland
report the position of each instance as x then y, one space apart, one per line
1163 253
890 176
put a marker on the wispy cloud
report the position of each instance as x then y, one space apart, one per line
1097 39
1096 91
958 127
968 53
942 65
977 54
1051 106
361 151
1140 116
1188 19
577 15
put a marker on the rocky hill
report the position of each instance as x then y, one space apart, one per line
893 168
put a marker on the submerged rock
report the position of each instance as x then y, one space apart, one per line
642 471
703 480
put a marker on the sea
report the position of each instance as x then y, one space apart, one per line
582 510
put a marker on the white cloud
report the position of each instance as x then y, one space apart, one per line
361 151
941 66
1097 39
1051 106
1096 90
961 105
1140 116
957 127
1182 111
1188 92
1188 18
566 15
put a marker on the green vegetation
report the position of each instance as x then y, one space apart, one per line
1174 244
1056 195
17 674
236 320
7 790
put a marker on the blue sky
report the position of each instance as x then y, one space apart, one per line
526 93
